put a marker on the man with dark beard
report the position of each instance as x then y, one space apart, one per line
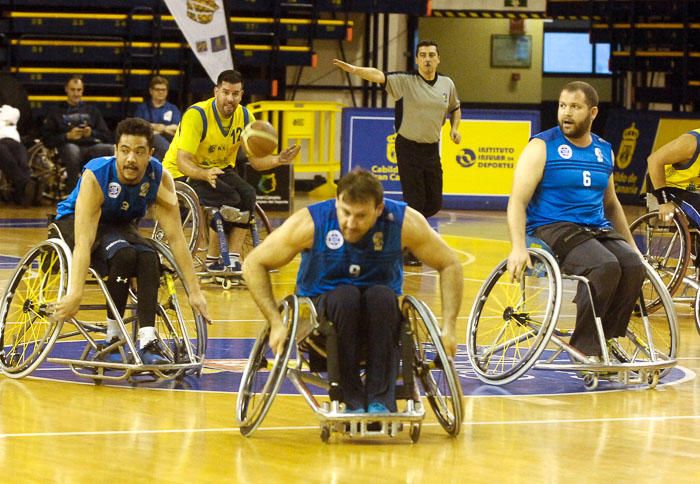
563 193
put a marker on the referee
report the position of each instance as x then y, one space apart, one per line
423 100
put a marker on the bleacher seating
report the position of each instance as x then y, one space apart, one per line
117 45
660 38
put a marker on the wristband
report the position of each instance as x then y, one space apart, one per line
662 195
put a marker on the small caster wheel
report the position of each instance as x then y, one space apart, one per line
414 433
653 378
325 434
590 381
227 283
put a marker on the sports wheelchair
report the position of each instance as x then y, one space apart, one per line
671 247
195 223
423 358
515 326
29 334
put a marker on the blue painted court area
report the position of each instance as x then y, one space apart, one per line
227 357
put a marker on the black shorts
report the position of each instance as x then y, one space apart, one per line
109 239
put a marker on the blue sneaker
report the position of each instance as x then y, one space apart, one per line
217 266
354 410
235 267
377 407
114 355
151 355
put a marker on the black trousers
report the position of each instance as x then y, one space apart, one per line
365 319
231 190
120 253
13 163
420 171
615 273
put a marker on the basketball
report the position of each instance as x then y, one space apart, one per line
259 139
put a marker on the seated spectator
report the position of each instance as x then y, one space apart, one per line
78 130
13 158
163 116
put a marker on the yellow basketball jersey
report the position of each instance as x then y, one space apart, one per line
687 174
212 140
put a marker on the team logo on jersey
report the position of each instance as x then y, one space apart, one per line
354 270
334 239
565 151
598 154
113 190
125 205
144 189
444 97
378 241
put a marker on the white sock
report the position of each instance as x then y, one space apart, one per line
113 330
146 335
234 256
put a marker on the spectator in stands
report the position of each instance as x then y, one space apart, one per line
78 130
163 116
13 158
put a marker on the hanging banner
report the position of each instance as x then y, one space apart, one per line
491 5
203 23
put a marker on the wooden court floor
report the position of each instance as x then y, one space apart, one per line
58 431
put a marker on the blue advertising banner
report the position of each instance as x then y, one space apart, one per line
477 173
632 137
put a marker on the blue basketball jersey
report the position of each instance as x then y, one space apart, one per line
332 261
122 203
573 183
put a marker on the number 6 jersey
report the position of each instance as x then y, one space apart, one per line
573 183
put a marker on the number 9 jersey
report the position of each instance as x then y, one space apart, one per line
573 183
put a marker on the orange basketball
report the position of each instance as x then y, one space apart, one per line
259 139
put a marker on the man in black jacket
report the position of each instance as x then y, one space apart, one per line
78 130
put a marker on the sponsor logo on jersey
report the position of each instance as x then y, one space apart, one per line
334 239
598 154
565 151
144 189
378 241
113 190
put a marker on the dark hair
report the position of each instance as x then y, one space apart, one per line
588 91
155 80
135 127
231 76
360 186
427 43
74 77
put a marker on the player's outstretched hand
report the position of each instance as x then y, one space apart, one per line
288 155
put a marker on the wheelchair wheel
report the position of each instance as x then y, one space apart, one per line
45 167
666 246
651 334
433 367
265 372
511 322
260 228
189 215
27 332
696 311
182 332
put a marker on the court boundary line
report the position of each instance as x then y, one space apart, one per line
651 418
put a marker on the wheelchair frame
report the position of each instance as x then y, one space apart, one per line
507 337
196 227
421 343
671 247
28 333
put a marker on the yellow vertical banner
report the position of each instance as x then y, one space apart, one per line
483 163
